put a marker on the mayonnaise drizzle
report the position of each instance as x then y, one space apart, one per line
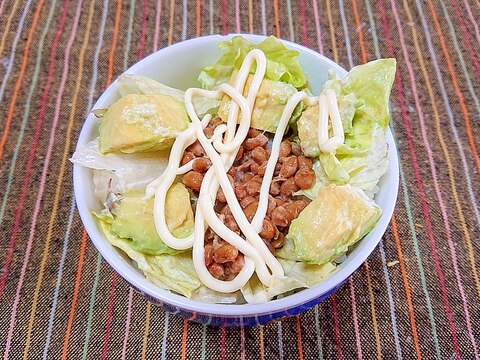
249 232
222 149
257 221
328 107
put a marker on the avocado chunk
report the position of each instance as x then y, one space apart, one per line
178 211
307 127
269 104
307 124
337 218
133 219
142 123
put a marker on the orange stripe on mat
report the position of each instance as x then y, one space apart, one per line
332 31
262 344
56 200
146 331
406 285
199 17
461 99
277 19
76 288
374 312
299 338
184 339
356 16
7 26
250 16
21 74
172 18
114 42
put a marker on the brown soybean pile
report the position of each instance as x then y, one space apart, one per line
293 172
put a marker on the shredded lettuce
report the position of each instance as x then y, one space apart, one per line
282 63
254 292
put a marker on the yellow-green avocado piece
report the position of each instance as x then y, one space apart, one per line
142 123
134 219
269 104
337 218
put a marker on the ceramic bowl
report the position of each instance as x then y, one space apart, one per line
178 66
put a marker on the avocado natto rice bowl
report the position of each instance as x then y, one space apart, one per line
206 50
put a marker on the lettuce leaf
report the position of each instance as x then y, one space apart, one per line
118 172
137 84
372 83
170 272
363 99
308 274
366 169
255 292
209 296
282 63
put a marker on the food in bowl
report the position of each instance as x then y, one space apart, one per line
248 188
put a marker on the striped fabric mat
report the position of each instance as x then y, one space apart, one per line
416 297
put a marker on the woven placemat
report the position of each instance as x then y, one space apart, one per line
416 296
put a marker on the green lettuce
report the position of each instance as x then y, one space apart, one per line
209 296
298 275
308 274
282 63
170 272
137 84
119 172
363 99
372 83
254 292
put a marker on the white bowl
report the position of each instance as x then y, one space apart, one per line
178 66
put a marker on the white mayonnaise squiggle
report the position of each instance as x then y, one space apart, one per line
292 103
222 149
329 107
